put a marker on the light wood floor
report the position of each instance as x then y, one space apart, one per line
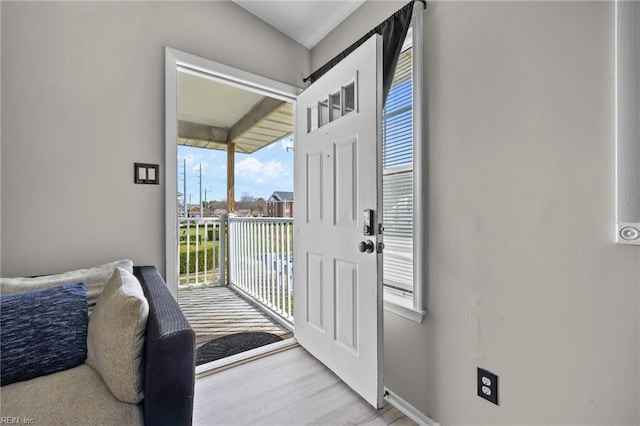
217 311
286 388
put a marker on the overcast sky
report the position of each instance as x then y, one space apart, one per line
259 174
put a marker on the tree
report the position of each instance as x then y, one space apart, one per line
261 206
249 203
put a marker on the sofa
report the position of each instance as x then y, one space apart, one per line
138 362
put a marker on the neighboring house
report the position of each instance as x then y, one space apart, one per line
194 211
280 204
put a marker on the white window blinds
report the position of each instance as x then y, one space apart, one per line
397 183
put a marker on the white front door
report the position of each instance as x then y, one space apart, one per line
338 267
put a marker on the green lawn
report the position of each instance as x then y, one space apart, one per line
272 241
212 249
192 231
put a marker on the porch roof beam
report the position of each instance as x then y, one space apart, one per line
188 130
261 110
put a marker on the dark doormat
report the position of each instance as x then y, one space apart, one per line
233 344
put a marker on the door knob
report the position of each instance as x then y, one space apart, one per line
367 246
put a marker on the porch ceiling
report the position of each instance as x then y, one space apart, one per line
212 115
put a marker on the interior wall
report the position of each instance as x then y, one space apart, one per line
0 141
83 95
523 276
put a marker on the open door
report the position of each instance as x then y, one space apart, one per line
338 242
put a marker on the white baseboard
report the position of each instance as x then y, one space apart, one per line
408 410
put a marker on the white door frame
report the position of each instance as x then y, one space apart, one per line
174 60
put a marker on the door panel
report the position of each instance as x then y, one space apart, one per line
314 188
338 288
315 291
346 290
346 194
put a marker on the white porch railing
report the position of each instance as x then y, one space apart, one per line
201 252
261 261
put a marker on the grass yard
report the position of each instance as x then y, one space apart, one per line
268 240
197 257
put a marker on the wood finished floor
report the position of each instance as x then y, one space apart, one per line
217 311
286 388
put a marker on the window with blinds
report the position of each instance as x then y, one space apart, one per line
397 181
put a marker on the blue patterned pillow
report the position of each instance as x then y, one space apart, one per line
42 332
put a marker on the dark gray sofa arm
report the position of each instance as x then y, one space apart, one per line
169 355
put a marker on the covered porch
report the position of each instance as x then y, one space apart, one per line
218 116
218 311
235 273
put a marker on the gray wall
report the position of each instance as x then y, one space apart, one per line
523 277
0 143
83 99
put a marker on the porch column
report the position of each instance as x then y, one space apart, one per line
231 196
223 244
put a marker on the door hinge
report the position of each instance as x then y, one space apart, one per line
380 229
380 247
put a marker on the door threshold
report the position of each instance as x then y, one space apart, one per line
244 357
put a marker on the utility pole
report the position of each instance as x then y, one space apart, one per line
205 195
184 191
200 182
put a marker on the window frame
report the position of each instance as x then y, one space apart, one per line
396 301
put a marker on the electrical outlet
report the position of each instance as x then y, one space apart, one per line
487 385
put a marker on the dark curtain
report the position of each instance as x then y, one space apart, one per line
393 31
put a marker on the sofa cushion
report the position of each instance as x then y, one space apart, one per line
94 280
116 336
77 396
42 331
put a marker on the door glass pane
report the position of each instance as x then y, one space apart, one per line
323 112
331 108
349 98
336 109
312 119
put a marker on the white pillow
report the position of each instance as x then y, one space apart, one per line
94 280
115 338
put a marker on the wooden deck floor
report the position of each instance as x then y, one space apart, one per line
217 311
